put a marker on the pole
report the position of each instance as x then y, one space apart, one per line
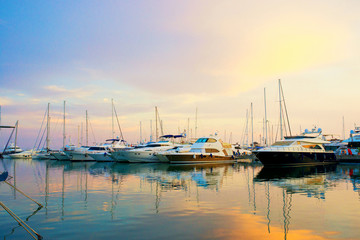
151 133
87 131
40 205
188 129
266 135
21 222
343 127
140 133
196 113
16 131
156 125
252 127
48 128
281 130
112 118
64 135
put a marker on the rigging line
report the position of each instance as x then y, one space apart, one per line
12 132
283 117
282 93
92 131
41 140
40 128
117 119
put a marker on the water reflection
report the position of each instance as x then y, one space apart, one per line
222 201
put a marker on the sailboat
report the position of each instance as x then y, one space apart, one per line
44 153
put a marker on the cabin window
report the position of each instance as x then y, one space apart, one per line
282 143
202 140
211 150
211 140
313 146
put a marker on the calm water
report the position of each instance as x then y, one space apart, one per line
161 201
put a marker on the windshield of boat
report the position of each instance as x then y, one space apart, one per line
204 140
96 148
283 143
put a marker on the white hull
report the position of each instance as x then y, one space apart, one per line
78 156
101 157
22 155
162 158
141 157
60 156
118 156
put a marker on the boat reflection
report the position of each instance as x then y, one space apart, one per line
309 180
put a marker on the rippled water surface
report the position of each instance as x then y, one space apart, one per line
162 201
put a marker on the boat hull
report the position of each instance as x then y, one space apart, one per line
277 158
195 158
76 156
101 157
60 156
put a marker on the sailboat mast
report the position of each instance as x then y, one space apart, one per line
343 128
196 113
287 116
87 132
266 132
151 133
252 127
64 135
48 128
281 130
156 125
16 131
112 118
140 134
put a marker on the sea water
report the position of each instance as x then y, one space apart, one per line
163 201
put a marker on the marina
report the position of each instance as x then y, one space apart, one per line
179 120
202 201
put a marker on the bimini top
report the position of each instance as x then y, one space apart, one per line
171 136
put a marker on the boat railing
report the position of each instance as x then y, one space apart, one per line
285 149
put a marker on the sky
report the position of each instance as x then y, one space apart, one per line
213 56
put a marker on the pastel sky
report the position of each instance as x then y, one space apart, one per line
217 56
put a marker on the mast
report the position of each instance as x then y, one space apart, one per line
48 128
252 127
64 135
86 128
343 127
188 129
281 130
16 131
112 118
151 133
156 125
287 117
196 113
266 135
78 136
247 128
140 133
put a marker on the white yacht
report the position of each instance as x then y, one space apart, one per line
103 152
147 153
205 150
78 153
21 155
119 154
349 151
43 154
176 149
305 149
11 149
